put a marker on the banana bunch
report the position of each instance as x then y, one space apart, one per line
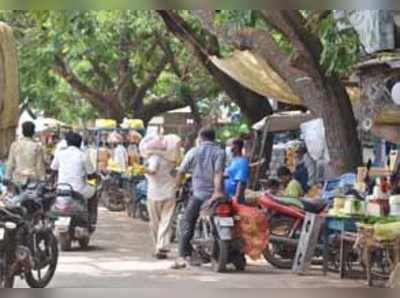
135 170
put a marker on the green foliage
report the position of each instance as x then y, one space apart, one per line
340 49
232 130
93 42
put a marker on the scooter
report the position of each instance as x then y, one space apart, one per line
74 221
214 240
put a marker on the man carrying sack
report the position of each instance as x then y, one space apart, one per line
161 153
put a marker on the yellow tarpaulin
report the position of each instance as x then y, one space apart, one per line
253 72
9 88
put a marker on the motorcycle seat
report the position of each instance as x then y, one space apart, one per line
313 205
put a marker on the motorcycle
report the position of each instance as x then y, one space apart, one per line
113 195
285 219
28 246
137 201
214 239
183 196
75 222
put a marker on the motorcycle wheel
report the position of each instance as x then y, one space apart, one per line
144 213
280 226
6 282
50 249
220 256
65 242
84 243
175 233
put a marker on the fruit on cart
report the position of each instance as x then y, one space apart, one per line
387 231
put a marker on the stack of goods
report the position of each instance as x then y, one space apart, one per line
115 138
278 158
104 156
133 124
134 137
167 146
135 170
378 202
252 227
106 124
291 158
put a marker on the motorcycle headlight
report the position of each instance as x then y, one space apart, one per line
10 225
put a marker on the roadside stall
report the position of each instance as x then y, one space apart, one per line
116 156
281 155
366 225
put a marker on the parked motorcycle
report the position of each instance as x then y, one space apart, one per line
137 200
28 246
75 222
214 239
113 195
285 220
182 198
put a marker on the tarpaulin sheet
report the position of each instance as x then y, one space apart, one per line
253 72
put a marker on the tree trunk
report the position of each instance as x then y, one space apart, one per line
253 106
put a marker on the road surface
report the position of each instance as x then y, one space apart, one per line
121 257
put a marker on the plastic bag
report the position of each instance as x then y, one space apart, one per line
314 136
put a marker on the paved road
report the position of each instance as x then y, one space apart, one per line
121 258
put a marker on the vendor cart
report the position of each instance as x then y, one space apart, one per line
275 123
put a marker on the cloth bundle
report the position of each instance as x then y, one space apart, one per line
134 137
252 228
167 146
115 138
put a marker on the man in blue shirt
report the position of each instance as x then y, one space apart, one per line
207 164
238 172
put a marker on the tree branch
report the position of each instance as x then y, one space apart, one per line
98 99
292 24
151 79
161 105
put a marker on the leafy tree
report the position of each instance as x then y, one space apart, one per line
109 63
287 41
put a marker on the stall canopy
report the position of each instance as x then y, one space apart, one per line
253 72
285 121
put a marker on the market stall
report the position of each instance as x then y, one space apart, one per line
365 222
274 124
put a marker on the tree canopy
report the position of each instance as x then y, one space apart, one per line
82 64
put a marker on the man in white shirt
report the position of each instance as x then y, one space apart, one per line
161 201
74 167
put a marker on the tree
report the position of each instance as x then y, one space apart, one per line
283 38
254 106
102 63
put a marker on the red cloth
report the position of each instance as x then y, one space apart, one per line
252 227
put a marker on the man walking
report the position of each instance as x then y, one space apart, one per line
161 202
26 158
207 164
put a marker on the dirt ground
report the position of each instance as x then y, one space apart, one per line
121 257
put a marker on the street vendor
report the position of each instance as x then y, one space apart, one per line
292 187
305 171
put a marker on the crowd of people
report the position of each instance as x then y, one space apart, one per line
214 174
